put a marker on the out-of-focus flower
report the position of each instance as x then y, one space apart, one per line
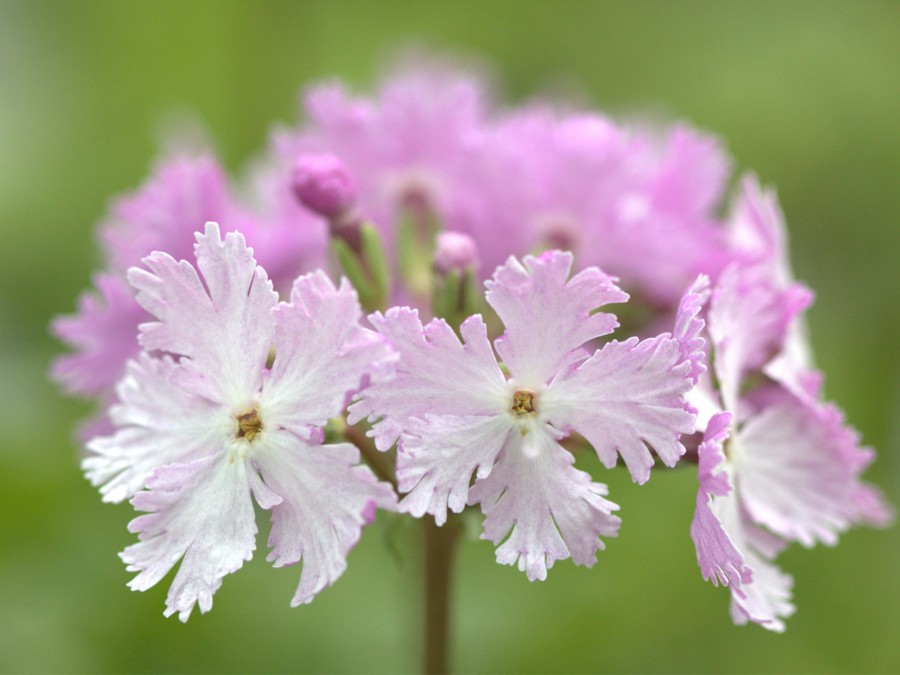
638 202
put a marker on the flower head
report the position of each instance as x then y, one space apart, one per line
205 432
455 412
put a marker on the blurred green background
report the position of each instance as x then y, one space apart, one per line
806 94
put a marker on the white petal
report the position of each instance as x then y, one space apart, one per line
546 314
322 354
627 396
549 510
766 599
222 323
158 424
200 513
438 456
436 374
327 498
792 469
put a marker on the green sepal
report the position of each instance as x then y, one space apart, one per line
335 429
376 263
415 250
353 269
456 297
445 297
471 295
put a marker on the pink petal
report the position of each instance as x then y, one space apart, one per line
436 373
182 194
326 499
322 354
541 508
717 556
627 396
797 470
223 323
872 507
200 513
766 600
757 231
156 423
688 326
103 335
546 314
748 320
439 454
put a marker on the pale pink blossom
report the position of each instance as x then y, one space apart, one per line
456 413
204 432
780 466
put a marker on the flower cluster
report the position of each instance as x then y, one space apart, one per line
240 368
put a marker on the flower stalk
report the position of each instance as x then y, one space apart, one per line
440 550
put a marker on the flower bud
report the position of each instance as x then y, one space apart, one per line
455 291
455 251
323 185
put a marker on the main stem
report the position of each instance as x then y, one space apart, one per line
440 545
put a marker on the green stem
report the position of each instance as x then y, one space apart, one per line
440 545
379 462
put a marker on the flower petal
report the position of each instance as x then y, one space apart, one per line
200 513
103 334
688 326
542 507
322 354
439 454
748 320
797 469
766 599
717 556
626 395
157 423
546 314
223 323
183 192
757 232
326 499
436 373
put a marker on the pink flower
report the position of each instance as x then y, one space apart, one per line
456 413
181 194
408 149
206 431
731 549
637 202
788 467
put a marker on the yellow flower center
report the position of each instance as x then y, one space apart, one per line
523 402
249 425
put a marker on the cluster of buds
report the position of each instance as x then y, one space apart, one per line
411 315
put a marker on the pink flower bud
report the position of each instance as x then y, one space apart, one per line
454 251
323 185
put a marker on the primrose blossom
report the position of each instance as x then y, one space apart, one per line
777 465
455 413
203 433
